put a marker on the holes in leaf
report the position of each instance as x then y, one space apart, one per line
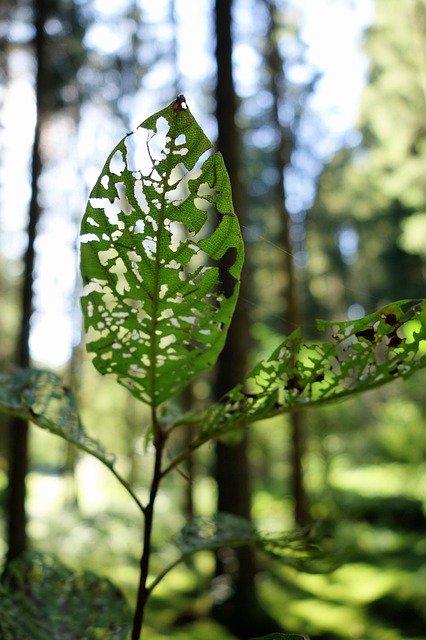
133 256
229 281
88 237
149 246
172 264
369 334
115 235
163 290
391 319
139 226
140 196
394 339
117 164
212 221
106 256
119 269
166 341
121 201
111 209
177 179
178 234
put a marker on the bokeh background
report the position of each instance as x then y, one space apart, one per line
331 123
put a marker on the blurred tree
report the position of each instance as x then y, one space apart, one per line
231 461
284 147
18 454
368 219
236 570
54 77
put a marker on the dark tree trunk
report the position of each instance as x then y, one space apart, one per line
18 447
240 612
294 312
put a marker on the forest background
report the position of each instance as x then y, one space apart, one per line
334 221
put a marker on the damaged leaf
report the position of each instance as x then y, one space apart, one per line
360 355
158 221
40 397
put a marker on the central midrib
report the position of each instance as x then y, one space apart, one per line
155 301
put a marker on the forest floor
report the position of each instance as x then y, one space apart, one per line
378 593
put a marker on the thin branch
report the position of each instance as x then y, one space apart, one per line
143 591
110 466
164 572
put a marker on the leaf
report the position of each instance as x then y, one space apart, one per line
293 548
158 220
41 599
361 355
41 397
223 529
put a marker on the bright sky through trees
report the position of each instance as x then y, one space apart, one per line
332 30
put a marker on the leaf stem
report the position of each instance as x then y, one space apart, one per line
109 465
164 572
143 590
128 488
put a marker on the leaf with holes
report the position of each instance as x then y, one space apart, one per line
41 397
41 598
158 221
293 548
360 355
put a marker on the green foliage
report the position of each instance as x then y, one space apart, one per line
154 309
375 193
155 241
294 548
41 397
40 598
396 93
361 354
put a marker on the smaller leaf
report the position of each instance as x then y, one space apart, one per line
360 355
41 397
294 548
40 599
223 529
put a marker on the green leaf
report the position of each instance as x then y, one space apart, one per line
41 397
222 529
293 548
360 355
41 599
158 220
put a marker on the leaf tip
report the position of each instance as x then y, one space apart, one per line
180 103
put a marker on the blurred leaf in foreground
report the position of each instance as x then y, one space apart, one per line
41 397
41 599
294 548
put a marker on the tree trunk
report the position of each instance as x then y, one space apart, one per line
294 312
18 437
240 612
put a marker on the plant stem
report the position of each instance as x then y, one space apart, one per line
143 590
